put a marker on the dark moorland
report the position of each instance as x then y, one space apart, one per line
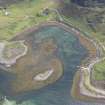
7 2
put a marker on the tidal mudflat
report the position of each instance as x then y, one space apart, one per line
49 48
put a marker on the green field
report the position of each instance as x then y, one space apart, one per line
23 15
99 71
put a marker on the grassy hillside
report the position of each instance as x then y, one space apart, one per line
23 15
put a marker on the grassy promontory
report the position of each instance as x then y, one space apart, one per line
11 51
76 94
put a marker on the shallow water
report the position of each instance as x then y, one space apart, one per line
71 52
